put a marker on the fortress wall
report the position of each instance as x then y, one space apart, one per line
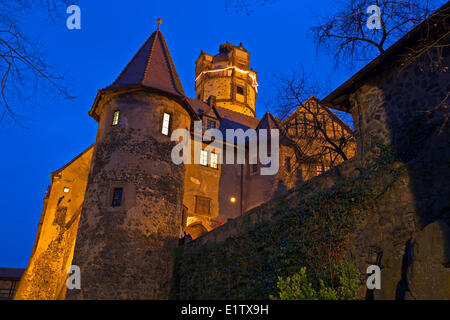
389 207
367 218
46 273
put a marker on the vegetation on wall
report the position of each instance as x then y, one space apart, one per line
343 286
308 229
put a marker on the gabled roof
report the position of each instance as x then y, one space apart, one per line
314 99
268 122
152 67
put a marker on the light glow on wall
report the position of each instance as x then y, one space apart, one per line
251 75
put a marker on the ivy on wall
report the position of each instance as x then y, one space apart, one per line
310 230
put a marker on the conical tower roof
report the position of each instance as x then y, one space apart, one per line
151 66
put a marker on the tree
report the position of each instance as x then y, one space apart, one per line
24 70
346 34
316 134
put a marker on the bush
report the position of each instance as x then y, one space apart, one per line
342 286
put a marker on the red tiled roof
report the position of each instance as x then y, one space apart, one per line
152 66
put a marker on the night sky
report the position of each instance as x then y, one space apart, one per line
276 35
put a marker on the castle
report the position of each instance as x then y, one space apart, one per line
118 209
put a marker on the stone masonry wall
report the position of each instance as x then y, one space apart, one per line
127 252
389 207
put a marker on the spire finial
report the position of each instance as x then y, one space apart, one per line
159 21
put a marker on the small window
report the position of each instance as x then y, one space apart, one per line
214 160
240 90
115 121
66 189
204 157
117 197
319 169
202 205
210 124
287 164
165 124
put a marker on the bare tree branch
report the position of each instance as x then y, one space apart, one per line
316 134
24 70
347 38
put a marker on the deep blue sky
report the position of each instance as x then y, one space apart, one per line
112 31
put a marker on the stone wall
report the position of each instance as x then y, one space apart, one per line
359 211
127 252
46 273
388 207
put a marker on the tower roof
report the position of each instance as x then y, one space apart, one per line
151 66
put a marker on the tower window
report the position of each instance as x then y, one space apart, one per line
115 121
117 197
165 124
214 160
204 157
240 90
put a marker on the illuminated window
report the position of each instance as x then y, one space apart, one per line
203 157
319 170
66 190
115 121
214 160
202 205
166 123
240 90
117 197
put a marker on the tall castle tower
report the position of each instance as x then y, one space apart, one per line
132 210
227 77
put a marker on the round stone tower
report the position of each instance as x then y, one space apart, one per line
227 77
132 211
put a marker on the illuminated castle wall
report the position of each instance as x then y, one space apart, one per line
125 249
